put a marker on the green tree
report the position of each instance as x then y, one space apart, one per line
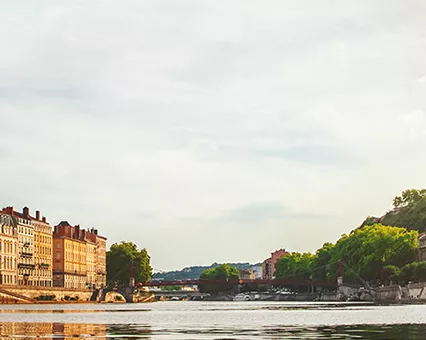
220 273
420 272
366 251
321 262
409 211
407 273
294 265
390 273
119 258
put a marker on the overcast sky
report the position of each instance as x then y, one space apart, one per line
212 130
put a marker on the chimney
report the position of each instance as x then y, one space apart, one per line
95 231
43 219
8 210
77 232
38 215
26 212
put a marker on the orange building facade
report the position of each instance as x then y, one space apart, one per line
34 255
75 257
268 266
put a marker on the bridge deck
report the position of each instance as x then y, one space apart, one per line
274 282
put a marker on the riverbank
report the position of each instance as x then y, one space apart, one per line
32 294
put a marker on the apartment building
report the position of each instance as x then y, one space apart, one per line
268 266
91 256
69 257
34 261
8 249
78 257
100 260
25 259
43 274
31 254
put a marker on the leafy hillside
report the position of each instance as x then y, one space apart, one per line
409 211
192 273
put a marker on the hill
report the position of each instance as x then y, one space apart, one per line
409 211
193 273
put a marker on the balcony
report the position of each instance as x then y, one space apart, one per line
26 254
43 266
26 265
74 273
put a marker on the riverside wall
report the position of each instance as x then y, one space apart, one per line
413 292
19 293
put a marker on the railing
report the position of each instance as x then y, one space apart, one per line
26 265
69 273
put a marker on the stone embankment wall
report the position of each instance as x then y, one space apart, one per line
44 294
417 291
389 293
411 292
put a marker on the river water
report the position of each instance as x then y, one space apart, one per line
214 320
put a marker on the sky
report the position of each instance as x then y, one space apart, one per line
212 131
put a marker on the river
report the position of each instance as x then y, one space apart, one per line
214 320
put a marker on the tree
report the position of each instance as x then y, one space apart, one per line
390 273
119 259
409 211
366 251
409 197
294 265
321 262
220 273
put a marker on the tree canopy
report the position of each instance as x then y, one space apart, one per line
118 260
365 251
409 211
222 272
295 265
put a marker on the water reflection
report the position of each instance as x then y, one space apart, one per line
24 330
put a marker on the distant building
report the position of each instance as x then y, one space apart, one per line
246 274
257 271
268 266
422 246
267 269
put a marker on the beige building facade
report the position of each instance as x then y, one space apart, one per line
32 254
43 275
91 256
8 249
25 260
100 260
